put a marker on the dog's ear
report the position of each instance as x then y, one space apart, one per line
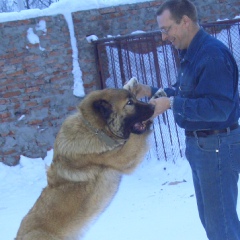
103 107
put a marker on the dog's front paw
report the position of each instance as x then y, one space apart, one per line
160 93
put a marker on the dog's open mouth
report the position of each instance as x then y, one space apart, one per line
141 127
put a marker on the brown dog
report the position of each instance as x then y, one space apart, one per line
103 140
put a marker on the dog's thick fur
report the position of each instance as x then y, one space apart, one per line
86 171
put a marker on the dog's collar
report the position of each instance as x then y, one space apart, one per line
101 135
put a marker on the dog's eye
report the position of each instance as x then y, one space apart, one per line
130 102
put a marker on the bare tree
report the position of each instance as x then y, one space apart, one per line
12 5
20 4
6 6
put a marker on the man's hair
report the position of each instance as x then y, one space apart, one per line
178 8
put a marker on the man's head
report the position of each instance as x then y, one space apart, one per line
178 22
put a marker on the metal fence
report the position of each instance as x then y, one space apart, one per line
154 62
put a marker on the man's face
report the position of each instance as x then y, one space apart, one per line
176 33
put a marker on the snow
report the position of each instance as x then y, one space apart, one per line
33 38
138 32
21 118
64 6
156 202
91 38
78 89
41 26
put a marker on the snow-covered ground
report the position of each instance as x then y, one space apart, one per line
155 202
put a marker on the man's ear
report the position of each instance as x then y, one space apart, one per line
103 107
186 20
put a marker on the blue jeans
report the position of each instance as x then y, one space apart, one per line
215 164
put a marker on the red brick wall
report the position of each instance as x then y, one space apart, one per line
36 84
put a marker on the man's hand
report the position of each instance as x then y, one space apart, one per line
138 89
161 105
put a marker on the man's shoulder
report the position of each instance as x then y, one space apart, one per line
211 46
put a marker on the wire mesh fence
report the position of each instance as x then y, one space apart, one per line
229 33
155 63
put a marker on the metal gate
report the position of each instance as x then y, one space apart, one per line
154 62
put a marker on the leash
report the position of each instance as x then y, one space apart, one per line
101 135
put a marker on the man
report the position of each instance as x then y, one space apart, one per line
205 102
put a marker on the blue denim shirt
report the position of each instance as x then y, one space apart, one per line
206 92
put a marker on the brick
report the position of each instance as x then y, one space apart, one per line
54 53
5 115
155 3
3 101
31 58
95 18
35 122
32 69
150 22
9 68
11 160
17 73
69 51
3 89
26 98
107 10
4 134
7 56
32 89
31 104
58 78
9 152
116 15
16 106
33 46
19 55
123 8
24 78
143 5
2 75
11 94
16 86
14 100
46 101
71 108
40 82
3 108
15 60
7 120
89 85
